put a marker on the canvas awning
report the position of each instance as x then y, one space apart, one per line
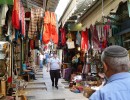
96 15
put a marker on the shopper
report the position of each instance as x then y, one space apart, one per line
41 60
116 66
54 66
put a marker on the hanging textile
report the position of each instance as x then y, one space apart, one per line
78 38
35 23
63 36
50 29
54 33
46 32
15 15
95 39
3 11
22 18
84 40
32 44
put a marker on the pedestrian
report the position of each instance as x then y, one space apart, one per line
54 67
115 61
41 60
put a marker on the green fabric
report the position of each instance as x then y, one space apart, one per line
9 2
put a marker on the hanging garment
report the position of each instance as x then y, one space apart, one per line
54 34
4 9
22 18
15 15
95 39
16 34
35 23
50 30
84 40
63 36
32 44
46 31
78 38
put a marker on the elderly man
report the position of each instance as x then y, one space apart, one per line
116 66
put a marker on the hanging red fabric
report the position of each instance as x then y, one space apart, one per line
63 36
50 31
84 40
32 44
15 15
46 32
54 33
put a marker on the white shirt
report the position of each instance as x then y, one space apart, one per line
41 57
54 63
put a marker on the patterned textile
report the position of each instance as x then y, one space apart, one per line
22 18
15 14
36 22
95 38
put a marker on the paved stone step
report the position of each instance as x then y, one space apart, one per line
37 88
39 76
37 83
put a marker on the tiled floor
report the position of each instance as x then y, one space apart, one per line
41 89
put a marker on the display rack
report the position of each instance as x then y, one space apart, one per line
17 57
5 66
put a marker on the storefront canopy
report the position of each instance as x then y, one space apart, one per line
96 14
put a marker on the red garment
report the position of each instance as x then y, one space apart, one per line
46 34
27 14
54 33
50 31
84 40
15 14
63 36
32 44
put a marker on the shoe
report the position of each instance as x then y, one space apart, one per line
56 87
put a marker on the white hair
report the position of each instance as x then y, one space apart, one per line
118 64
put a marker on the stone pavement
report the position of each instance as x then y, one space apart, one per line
41 89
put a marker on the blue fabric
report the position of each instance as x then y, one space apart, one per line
117 88
16 34
78 38
24 67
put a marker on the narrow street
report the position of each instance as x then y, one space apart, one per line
41 89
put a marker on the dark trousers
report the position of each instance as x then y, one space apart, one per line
55 75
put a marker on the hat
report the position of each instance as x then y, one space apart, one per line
115 51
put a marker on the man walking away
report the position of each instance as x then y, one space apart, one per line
54 65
